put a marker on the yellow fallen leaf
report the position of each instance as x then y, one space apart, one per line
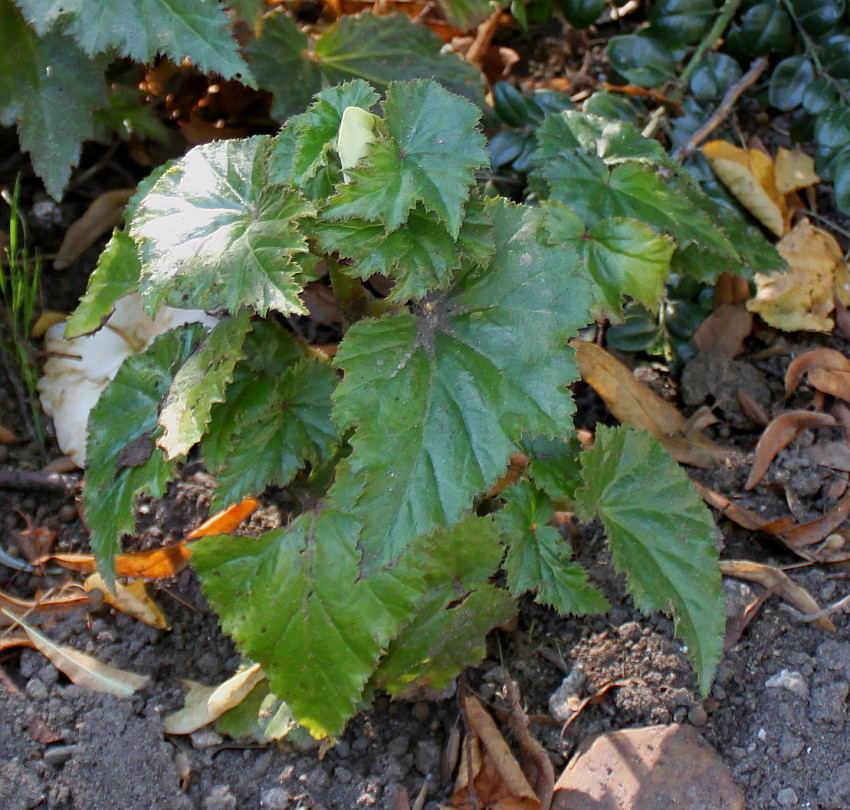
203 704
131 599
633 403
82 669
105 213
45 321
749 175
802 298
794 170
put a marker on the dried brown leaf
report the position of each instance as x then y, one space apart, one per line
794 170
802 364
158 563
834 383
226 521
6 436
634 404
779 583
57 606
132 599
105 213
724 330
835 455
778 435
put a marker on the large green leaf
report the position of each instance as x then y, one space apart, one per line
294 602
50 90
554 465
538 558
142 29
430 155
661 535
440 398
622 256
275 417
396 49
466 14
116 274
459 607
421 255
199 384
211 231
122 459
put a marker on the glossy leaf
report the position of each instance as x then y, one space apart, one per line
820 17
789 81
681 22
714 75
661 535
212 231
641 59
452 388
818 96
766 29
538 558
581 13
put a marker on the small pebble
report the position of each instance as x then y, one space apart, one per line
220 798
36 690
205 738
398 746
275 799
421 711
790 680
342 749
67 513
565 701
697 716
787 797
58 755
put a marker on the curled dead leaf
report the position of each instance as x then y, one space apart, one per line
132 599
749 175
633 403
823 358
105 213
54 606
778 435
226 521
780 583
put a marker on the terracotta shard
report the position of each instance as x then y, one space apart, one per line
654 768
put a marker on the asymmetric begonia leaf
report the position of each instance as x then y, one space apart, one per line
50 90
440 398
275 417
459 607
421 255
420 160
212 230
623 256
199 384
122 459
293 601
661 536
116 274
142 29
538 558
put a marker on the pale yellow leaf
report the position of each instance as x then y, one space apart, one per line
82 669
203 704
131 599
802 298
105 213
749 175
794 170
45 321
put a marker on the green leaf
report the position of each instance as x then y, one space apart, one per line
116 274
466 14
538 558
642 60
278 61
142 29
789 81
294 602
421 256
213 232
681 22
398 50
274 419
765 29
622 256
458 609
554 465
714 75
49 89
126 415
661 535
581 13
511 105
440 398
835 57
199 384
820 95
820 17
841 175
422 160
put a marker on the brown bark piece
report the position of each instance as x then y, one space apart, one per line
653 768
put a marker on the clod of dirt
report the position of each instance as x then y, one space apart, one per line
714 379
649 768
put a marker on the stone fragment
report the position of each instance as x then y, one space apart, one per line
653 768
787 797
565 701
205 738
828 703
220 798
790 680
275 799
